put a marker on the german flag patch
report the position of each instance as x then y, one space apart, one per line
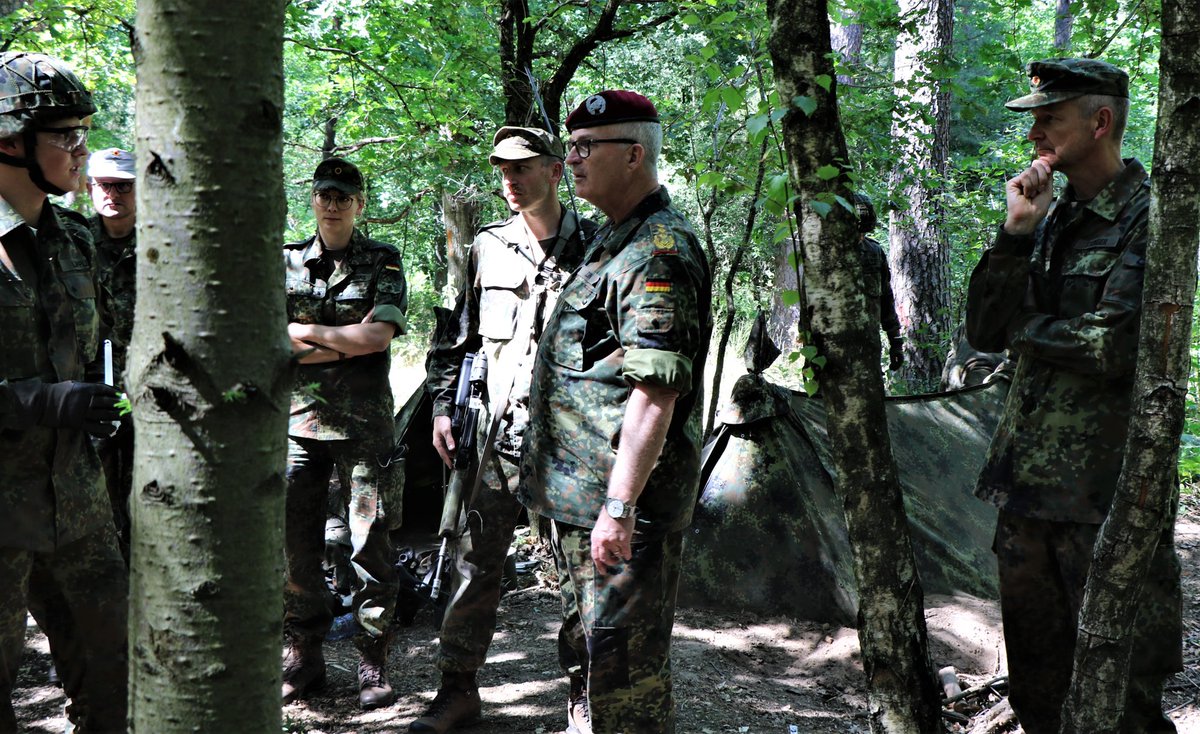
658 286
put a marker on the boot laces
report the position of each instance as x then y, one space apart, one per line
370 676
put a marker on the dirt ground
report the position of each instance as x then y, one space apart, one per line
733 673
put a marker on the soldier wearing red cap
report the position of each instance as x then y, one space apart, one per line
1061 288
612 452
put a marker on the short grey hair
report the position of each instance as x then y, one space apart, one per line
1090 104
648 134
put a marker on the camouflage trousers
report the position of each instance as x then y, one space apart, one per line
47 603
89 577
311 463
624 618
470 619
116 457
1043 570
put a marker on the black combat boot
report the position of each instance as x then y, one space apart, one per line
374 691
579 717
456 704
303 667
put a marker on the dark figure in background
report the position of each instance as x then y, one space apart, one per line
346 301
1061 287
877 277
612 451
516 268
55 516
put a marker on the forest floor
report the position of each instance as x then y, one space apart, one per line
733 672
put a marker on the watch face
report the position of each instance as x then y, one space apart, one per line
615 507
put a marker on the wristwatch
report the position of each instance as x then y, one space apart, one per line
617 509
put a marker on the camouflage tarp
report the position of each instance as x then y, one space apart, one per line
769 535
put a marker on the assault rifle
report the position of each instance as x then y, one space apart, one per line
469 400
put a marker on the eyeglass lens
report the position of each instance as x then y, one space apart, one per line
341 201
121 187
67 138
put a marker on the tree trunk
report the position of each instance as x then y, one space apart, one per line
1147 490
919 253
902 690
1064 23
735 265
460 214
209 370
847 41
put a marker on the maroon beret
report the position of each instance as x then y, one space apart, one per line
610 107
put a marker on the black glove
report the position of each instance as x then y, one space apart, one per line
895 353
81 406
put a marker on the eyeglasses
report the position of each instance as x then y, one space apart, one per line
121 187
324 199
66 138
584 146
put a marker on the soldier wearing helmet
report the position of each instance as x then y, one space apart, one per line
55 518
878 279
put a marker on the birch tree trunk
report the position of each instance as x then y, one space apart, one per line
902 692
1147 490
209 369
919 253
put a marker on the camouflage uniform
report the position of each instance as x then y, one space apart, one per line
55 519
116 279
638 310
877 277
1067 300
341 416
502 314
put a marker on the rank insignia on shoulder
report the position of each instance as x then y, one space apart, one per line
393 268
658 286
664 243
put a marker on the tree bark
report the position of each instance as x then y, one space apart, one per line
847 39
209 369
919 253
735 265
1147 491
1064 23
460 215
902 688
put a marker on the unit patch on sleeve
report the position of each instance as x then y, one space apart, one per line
664 243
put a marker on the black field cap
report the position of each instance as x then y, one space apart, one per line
517 143
610 107
1057 80
338 173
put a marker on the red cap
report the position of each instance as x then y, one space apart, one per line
610 107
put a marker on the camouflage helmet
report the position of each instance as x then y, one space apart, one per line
35 88
865 211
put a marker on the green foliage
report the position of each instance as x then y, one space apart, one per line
413 89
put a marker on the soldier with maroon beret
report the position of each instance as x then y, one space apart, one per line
612 452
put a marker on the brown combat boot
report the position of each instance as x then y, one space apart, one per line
303 667
374 691
456 704
579 716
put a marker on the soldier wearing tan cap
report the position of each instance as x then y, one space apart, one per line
515 270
